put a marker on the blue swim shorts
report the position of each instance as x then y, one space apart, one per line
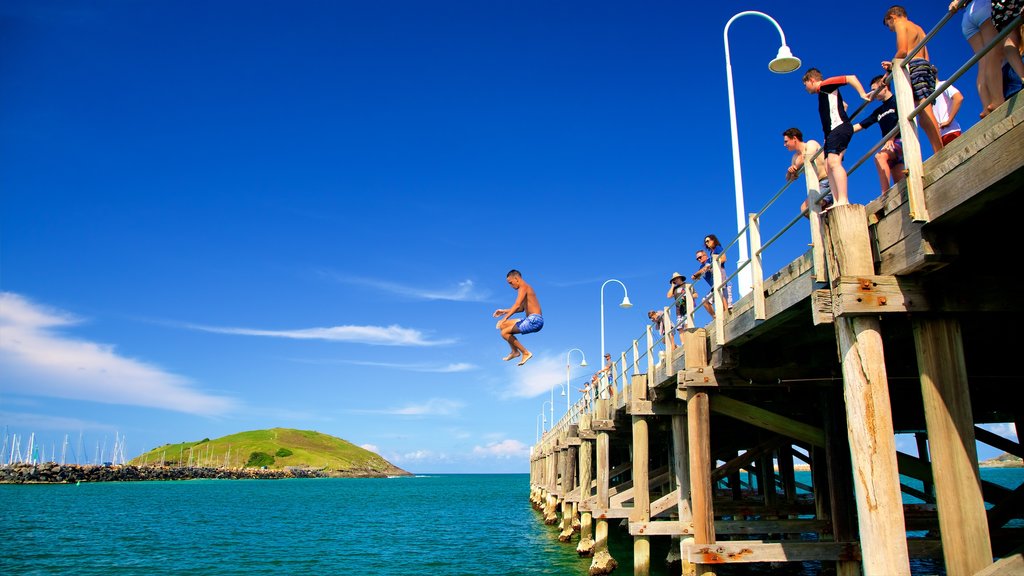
530 324
825 198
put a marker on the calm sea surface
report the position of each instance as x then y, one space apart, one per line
436 525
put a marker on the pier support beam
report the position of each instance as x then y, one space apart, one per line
947 409
585 547
641 482
868 411
602 563
698 423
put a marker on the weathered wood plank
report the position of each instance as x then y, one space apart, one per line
746 551
865 295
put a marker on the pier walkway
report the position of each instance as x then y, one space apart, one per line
901 318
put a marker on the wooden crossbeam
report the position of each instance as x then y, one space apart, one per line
997 441
746 458
768 420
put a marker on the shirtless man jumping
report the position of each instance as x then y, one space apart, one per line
526 301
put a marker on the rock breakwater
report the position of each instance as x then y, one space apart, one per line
53 473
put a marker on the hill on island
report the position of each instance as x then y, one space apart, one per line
276 448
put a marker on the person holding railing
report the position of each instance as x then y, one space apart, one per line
657 318
889 158
922 73
835 123
714 248
705 271
979 31
677 292
793 140
586 391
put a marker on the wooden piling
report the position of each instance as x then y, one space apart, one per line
868 413
947 409
641 479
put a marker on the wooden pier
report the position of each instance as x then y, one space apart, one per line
902 319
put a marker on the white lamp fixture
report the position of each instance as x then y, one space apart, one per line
582 364
783 63
625 304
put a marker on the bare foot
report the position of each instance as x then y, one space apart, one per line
511 356
526 357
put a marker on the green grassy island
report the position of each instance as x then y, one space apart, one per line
274 449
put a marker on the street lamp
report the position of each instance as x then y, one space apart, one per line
583 363
624 304
544 420
783 63
539 416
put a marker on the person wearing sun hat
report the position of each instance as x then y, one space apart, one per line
677 292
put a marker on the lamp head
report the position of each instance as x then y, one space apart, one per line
626 303
784 62
584 362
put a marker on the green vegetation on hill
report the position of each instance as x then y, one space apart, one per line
275 448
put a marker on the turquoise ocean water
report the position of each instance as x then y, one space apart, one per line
437 525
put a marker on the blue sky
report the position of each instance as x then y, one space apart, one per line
226 216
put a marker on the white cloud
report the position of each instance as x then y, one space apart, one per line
379 335
536 377
432 407
37 360
504 449
419 456
464 291
371 447
1005 429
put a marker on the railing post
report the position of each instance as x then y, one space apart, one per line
650 354
814 216
756 269
636 354
911 144
688 296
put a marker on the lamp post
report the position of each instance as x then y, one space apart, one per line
539 416
583 363
783 63
544 427
624 304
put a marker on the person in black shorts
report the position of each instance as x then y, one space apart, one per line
836 125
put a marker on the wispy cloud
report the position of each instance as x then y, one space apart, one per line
377 335
505 449
371 447
47 423
431 407
464 291
436 368
38 360
534 378
419 456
